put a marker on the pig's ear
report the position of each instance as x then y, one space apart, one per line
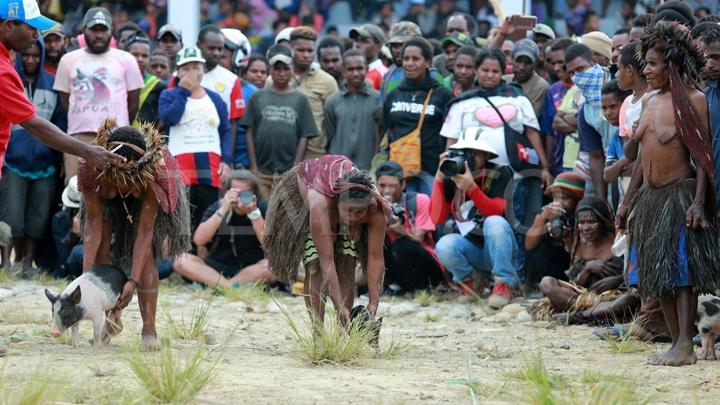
75 296
50 296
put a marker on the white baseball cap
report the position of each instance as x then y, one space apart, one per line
71 195
26 11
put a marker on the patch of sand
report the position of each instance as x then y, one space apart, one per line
258 363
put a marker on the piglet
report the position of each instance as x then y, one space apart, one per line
708 323
91 296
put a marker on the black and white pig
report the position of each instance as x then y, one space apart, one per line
91 296
708 323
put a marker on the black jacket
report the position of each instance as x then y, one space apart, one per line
401 113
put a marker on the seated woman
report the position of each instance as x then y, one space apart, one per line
594 267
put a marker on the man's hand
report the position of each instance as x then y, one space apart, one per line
224 171
189 81
607 284
75 228
552 211
621 218
100 158
594 266
465 181
507 28
372 308
245 209
695 217
546 178
397 226
229 200
126 296
439 176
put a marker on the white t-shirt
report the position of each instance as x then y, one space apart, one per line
228 86
197 131
477 112
98 85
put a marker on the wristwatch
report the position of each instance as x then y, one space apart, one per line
254 214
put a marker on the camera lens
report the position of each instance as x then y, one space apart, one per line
245 197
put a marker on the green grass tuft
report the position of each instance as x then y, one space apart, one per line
431 317
165 379
425 298
7 276
392 348
250 294
330 343
627 344
193 328
487 351
37 389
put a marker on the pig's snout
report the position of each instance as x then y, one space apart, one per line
55 332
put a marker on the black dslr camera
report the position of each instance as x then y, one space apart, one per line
455 162
558 224
397 211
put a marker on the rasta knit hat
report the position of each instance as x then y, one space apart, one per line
569 182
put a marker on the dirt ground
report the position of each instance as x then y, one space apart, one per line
448 346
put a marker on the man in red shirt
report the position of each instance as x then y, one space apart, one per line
20 21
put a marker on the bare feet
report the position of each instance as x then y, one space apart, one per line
680 355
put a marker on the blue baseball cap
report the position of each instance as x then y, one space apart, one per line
26 11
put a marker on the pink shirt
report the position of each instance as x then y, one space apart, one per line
98 85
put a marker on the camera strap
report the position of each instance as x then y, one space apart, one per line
496 110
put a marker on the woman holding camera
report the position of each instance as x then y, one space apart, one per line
490 106
232 230
472 190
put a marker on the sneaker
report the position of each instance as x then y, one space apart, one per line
467 286
501 295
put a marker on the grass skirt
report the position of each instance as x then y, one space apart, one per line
656 228
287 226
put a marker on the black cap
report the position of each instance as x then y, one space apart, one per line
97 16
390 168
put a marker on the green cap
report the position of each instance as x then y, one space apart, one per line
189 54
457 38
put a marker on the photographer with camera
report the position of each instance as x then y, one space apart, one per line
410 259
232 230
472 190
549 239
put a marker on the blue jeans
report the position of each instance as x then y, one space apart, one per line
498 255
422 183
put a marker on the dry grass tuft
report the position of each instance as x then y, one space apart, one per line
16 315
492 351
165 379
